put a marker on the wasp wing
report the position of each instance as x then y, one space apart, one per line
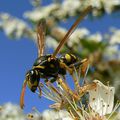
71 30
41 37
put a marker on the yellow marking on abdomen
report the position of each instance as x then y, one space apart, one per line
68 57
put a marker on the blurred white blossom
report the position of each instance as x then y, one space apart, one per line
115 38
95 37
35 3
51 42
102 98
11 112
107 5
56 115
70 6
94 3
12 26
112 52
40 12
77 35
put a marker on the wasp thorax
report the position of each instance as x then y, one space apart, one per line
32 78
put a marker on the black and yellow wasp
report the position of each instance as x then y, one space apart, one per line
50 66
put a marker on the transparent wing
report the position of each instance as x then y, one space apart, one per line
71 30
41 37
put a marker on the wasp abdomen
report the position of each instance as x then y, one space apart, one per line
69 59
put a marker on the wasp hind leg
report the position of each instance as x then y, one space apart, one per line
80 67
83 69
83 64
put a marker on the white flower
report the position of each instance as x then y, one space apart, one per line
102 98
21 26
70 6
112 52
95 3
115 38
11 112
95 37
4 16
77 35
109 5
52 43
35 15
12 26
40 13
56 115
9 26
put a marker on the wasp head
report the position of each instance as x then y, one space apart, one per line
32 78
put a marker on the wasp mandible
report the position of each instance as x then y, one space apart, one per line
48 66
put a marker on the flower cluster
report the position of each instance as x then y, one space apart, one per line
62 9
14 27
10 111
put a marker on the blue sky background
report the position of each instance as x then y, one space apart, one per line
16 57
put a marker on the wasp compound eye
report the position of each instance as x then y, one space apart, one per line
33 75
33 78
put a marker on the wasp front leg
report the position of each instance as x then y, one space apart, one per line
39 89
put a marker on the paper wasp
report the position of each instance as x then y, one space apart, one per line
50 66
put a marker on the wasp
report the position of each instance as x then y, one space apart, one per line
50 66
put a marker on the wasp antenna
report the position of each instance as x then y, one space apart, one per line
71 30
23 94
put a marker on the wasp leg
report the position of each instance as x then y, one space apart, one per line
86 88
63 65
82 67
67 89
52 87
40 90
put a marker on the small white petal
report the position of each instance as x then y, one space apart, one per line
102 98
